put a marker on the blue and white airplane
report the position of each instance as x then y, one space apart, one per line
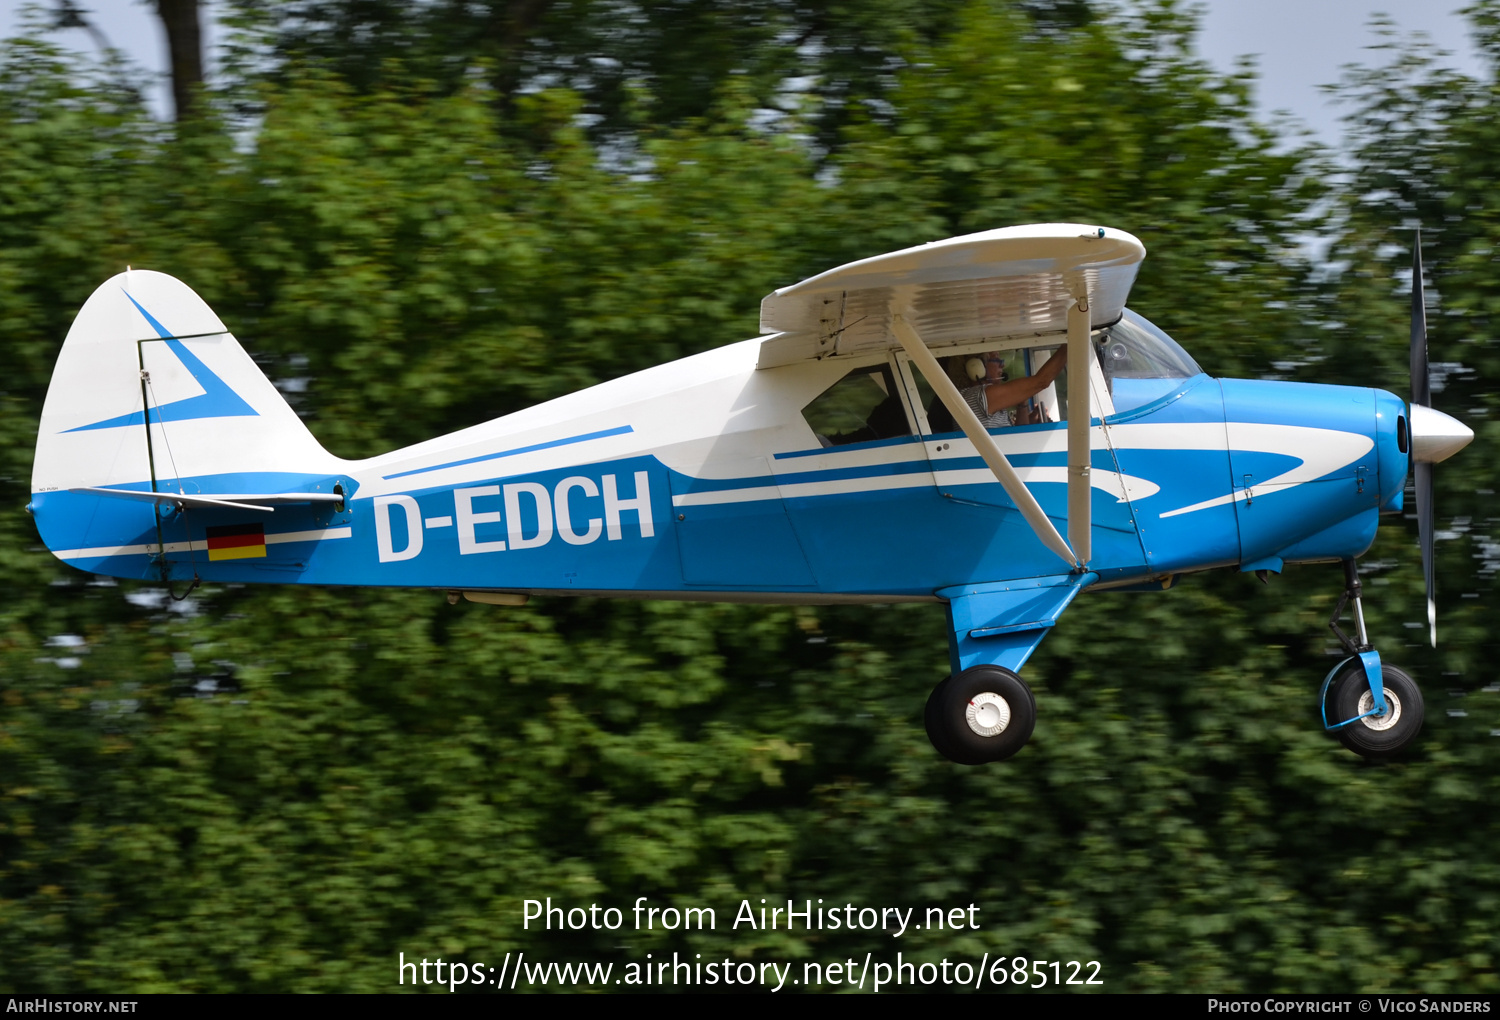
861 450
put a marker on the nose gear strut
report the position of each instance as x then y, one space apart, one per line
1381 721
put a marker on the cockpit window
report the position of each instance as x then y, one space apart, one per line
862 406
1048 405
1140 362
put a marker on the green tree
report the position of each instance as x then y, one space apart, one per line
663 62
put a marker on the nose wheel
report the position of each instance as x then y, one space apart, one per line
1349 707
1374 709
984 714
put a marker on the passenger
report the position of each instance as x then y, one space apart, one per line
992 392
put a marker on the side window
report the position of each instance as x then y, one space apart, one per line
1051 404
1048 405
864 405
938 418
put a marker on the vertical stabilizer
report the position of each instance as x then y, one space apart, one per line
152 393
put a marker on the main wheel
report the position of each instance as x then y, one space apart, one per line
930 716
984 714
1376 736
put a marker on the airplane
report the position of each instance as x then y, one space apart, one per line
840 457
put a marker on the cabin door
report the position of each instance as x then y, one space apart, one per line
1038 449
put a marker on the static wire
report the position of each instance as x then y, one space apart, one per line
182 507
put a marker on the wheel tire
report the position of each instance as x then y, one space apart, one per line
984 714
1376 736
930 718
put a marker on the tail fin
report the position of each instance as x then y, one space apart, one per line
151 394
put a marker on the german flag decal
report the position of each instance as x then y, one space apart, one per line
236 542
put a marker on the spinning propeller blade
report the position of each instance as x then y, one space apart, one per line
1421 395
1421 389
1434 435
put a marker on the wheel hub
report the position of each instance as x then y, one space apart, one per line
988 714
1391 716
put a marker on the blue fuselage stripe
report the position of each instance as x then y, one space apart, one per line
686 484
619 431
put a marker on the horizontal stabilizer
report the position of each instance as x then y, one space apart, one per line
238 501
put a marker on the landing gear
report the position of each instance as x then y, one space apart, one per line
984 714
1376 734
1374 718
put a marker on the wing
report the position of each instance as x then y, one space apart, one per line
1015 281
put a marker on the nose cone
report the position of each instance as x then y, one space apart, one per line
1435 436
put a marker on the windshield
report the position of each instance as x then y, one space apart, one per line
1141 363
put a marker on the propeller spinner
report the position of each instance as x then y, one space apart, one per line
1434 435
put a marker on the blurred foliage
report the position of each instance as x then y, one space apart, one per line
281 789
661 62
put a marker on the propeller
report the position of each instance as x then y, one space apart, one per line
1434 435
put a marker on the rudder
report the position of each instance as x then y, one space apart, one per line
146 349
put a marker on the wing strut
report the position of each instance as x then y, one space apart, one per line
1080 486
980 437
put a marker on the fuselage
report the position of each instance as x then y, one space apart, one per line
709 478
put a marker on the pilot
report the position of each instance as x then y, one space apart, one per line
992 392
